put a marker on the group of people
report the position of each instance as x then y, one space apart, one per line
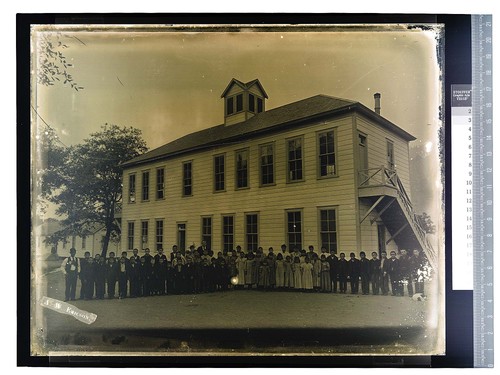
201 271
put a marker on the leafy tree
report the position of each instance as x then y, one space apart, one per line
52 63
85 180
426 223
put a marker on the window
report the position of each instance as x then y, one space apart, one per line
239 102
260 105
251 103
160 183
145 186
73 241
181 236
252 231
84 242
242 169
187 179
267 164
131 188
390 155
130 235
229 106
327 154
328 229
294 229
144 232
159 234
228 233
294 155
206 231
219 172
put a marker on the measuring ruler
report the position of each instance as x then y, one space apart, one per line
482 186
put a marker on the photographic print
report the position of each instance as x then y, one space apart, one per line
237 190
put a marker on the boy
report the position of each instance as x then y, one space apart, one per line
88 279
122 278
393 272
83 265
133 277
384 276
333 261
99 276
353 272
364 271
375 273
111 275
342 271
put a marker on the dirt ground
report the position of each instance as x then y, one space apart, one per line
240 321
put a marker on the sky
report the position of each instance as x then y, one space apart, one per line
169 83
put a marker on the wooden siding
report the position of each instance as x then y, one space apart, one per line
377 149
369 232
269 202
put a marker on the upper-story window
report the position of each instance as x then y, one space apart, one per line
219 169
239 102
390 155
229 106
327 162
187 178
242 169
160 183
260 105
295 159
267 164
131 188
145 185
251 102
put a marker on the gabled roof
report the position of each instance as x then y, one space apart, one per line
275 119
244 86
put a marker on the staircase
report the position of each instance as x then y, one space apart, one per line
384 190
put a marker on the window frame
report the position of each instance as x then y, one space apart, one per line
132 192
261 146
256 214
318 154
229 105
145 187
202 230
320 232
225 234
159 244
157 190
184 163
236 170
287 150
251 102
287 232
130 235
390 164
215 173
144 237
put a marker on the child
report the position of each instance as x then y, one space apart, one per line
83 273
144 277
197 273
307 275
100 277
393 272
374 271
161 275
353 273
288 276
240 267
280 271
264 273
271 262
316 271
222 274
364 272
133 277
178 274
325 283
342 272
111 276
122 278
297 273
153 277
169 287
88 278
249 270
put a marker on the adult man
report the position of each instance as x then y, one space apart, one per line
135 255
160 255
353 271
70 268
384 275
364 272
393 272
201 249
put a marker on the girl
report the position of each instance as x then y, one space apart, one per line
241 263
264 273
288 276
297 273
326 284
249 270
316 272
307 275
280 272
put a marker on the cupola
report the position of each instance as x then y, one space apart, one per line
243 100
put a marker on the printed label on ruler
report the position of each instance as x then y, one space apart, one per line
461 179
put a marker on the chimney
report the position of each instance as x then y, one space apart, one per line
377 103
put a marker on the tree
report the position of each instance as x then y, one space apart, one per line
52 64
85 180
426 223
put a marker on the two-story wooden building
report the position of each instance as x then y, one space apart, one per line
321 171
